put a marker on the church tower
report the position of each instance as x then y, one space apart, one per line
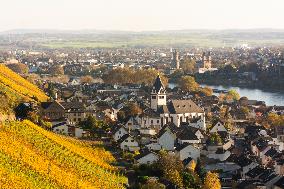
158 94
175 60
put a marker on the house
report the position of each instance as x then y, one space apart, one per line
52 110
217 127
128 142
220 154
118 132
187 136
197 122
167 138
147 157
149 119
75 112
268 156
154 146
132 124
259 147
185 151
245 163
60 128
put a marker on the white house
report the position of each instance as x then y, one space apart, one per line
187 150
154 146
119 132
147 158
60 128
197 123
219 126
166 139
127 142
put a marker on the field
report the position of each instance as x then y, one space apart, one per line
14 89
204 39
31 157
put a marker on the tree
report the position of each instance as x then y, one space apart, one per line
87 79
171 167
19 68
275 119
212 181
233 95
188 65
132 109
199 169
96 127
187 83
126 75
207 91
191 180
56 70
215 138
153 184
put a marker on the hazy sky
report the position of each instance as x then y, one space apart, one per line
141 15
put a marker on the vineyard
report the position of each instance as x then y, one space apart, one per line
31 157
14 89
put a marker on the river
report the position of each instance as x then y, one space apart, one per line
270 98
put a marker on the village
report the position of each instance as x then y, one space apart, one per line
222 135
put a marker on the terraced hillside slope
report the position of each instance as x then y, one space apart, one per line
14 89
31 157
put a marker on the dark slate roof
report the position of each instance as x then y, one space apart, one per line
158 85
260 144
72 105
59 124
253 173
186 161
243 161
271 152
180 107
123 138
45 105
143 154
181 146
187 134
280 183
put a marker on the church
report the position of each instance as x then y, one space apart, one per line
175 111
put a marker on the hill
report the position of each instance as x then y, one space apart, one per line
15 89
31 157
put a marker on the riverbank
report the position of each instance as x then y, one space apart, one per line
270 97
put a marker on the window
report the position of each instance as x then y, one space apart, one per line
132 140
79 119
126 140
153 97
158 121
74 114
161 97
151 121
119 132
